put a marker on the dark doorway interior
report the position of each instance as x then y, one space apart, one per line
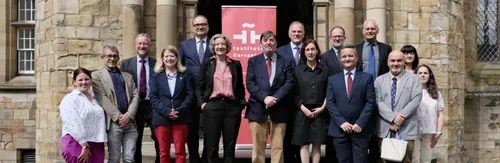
287 11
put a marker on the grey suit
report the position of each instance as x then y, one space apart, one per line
408 98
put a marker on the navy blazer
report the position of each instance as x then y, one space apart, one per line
286 52
188 53
258 86
204 84
162 102
332 62
356 109
383 51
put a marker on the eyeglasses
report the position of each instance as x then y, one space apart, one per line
200 25
336 36
112 56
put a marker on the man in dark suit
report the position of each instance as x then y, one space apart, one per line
373 60
350 102
192 53
141 68
331 57
373 54
291 51
269 80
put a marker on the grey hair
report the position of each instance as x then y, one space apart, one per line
347 46
110 47
229 45
143 35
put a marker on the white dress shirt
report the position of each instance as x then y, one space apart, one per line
83 120
146 65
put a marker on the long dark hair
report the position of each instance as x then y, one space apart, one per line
431 84
79 71
411 49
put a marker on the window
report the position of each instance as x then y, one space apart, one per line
28 156
487 31
25 29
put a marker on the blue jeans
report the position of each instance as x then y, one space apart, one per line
118 138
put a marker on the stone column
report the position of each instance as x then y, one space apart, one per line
133 24
166 24
375 9
344 16
321 23
190 11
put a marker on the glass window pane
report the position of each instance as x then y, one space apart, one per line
21 66
28 15
33 15
28 66
28 4
22 16
20 33
32 65
22 4
26 43
32 33
21 56
32 45
19 44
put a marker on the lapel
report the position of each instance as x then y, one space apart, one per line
151 64
211 71
381 51
162 78
401 86
125 79
343 85
207 50
335 58
194 50
107 82
232 68
178 83
133 67
277 72
357 77
262 60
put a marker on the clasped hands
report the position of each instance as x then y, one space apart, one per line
124 121
349 128
173 114
313 113
270 101
398 121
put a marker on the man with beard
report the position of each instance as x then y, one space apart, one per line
331 57
141 68
373 60
291 52
398 95
192 53
269 81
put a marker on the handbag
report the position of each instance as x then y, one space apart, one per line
393 149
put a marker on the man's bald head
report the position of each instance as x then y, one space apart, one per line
396 62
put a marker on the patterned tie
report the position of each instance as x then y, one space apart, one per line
297 55
371 63
349 84
201 50
142 80
269 67
394 89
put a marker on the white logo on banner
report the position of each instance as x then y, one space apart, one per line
243 36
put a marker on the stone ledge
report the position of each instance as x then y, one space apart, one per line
486 70
20 83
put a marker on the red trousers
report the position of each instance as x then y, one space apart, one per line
164 136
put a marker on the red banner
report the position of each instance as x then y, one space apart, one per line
243 26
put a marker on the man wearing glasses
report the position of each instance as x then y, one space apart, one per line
192 53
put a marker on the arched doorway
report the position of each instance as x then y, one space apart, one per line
287 11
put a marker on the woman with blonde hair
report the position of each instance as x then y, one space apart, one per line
171 94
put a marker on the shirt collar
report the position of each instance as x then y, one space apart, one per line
116 70
366 43
293 45
145 59
198 40
400 75
171 77
306 67
77 92
228 60
273 57
353 72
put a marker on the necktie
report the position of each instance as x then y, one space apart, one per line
337 55
201 50
371 64
394 89
297 55
349 84
142 80
269 67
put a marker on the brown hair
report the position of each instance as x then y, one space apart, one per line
160 66
303 49
431 84
267 34
79 71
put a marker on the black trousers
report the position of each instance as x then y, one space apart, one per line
374 150
291 152
221 115
193 140
352 148
330 153
143 116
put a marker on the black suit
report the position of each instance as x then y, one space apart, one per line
383 51
144 113
220 114
332 61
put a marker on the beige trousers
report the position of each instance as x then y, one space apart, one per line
422 153
260 131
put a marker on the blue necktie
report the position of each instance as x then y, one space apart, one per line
394 89
371 63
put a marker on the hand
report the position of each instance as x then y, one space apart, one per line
356 128
203 106
317 111
434 139
84 155
393 127
270 101
126 126
400 118
347 127
173 114
124 119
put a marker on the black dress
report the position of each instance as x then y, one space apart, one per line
310 91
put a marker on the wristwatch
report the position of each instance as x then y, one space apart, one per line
86 147
439 133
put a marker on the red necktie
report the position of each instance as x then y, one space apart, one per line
142 80
349 84
269 67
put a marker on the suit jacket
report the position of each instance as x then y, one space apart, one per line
355 109
286 52
332 62
258 86
104 93
129 65
408 98
188 53
162 101
204 84
383 51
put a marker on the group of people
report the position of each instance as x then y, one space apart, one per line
348 98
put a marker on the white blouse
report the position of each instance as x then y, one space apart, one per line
428 112
83 120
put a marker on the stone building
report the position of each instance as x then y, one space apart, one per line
39 50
